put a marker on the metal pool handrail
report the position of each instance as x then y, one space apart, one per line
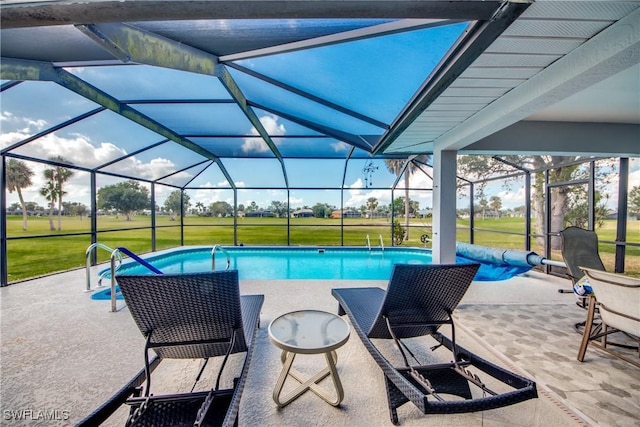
213 257
117 254
381 243
88 252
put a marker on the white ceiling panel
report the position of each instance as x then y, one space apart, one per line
556 28
456 107
456 100
506 73
535 45
587 10
470 92
514 60
484 83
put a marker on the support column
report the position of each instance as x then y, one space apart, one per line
4 275
623 212
444 206
94 216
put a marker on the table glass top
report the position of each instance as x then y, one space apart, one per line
309 330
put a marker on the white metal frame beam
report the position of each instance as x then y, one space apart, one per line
610 52
18 14
346 36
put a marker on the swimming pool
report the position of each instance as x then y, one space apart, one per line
303 263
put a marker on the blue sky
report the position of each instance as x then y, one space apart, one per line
91 143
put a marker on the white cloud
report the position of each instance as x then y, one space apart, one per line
634 178
209 196
23 125
611 189
257 144
270 124
357 184
296 202
7 139
224 183
254 145
79 150
358 195
340 146
512 198
418 180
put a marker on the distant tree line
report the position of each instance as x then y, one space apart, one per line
569 205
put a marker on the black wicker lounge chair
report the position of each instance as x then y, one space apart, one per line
419 299
186 316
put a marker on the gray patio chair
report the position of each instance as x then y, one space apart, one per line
580 249
420 299
617 298
186 316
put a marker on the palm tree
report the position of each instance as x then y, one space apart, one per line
496 204
58 176
19 177
396 167
50 193
483 205
372 204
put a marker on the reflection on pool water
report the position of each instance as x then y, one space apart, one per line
288 262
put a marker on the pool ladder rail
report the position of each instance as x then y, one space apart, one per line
381 244
88 253
115 263
213 257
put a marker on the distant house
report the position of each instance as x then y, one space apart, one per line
630 216
302 213
346 214
259 214
424 213
377 214
488 214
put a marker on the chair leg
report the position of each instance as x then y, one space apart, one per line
587 328
605 332
395 399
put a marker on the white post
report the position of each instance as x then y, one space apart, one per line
444 207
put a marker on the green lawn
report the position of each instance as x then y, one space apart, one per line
43 255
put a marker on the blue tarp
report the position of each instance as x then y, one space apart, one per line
498 264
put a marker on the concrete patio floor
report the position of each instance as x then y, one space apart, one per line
62 351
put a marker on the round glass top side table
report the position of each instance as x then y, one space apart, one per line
308 332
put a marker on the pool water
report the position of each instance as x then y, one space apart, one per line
293 263
304 263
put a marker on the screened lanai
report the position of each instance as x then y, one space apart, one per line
308 103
